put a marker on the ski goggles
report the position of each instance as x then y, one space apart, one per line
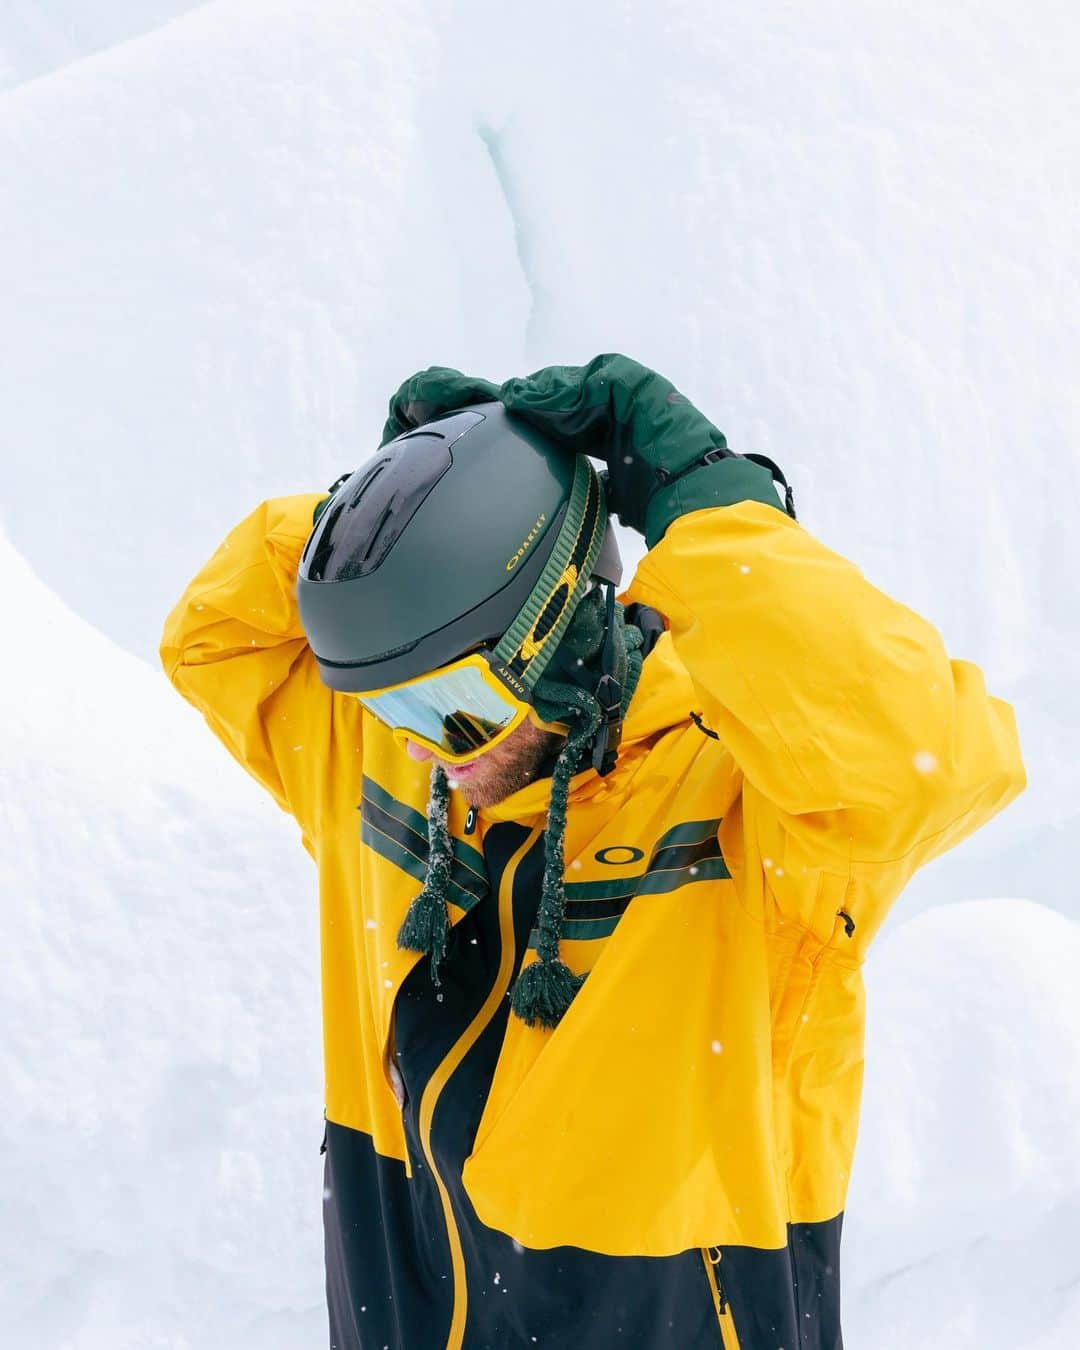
456 712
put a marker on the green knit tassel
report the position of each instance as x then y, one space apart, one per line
544 991
426 927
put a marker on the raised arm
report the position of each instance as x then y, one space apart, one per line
234 648
865 750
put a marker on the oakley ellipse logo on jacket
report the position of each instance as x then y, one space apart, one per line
619 855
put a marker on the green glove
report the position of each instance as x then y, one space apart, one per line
664 457
430 393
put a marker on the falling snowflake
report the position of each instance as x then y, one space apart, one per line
716 1048
498 1277
388 984
925 761
743 568
371 924
693 871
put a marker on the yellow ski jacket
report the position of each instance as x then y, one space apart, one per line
669 1165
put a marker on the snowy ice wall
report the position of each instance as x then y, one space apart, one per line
37 36
160 1056
848 233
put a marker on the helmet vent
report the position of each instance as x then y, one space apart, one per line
372 548
367 480
360 527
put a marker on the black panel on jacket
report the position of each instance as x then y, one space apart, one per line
389 1275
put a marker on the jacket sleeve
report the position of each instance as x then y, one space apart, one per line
234 648
865 751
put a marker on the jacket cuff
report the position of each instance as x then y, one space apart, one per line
725 483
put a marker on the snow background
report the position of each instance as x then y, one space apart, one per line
227 232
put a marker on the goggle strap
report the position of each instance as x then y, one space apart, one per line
609 696
526 647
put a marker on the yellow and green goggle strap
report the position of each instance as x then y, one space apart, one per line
523 652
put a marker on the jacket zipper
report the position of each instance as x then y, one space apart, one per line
729 1337
438 1080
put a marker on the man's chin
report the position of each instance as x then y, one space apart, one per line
494 777
480 793
489 789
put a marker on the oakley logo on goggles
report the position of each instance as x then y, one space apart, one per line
455 711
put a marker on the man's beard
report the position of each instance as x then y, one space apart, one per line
503 774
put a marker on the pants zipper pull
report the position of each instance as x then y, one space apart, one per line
721 1297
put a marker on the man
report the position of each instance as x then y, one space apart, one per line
597 879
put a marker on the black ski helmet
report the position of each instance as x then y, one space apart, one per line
472 530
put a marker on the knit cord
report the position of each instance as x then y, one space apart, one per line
426 926
545 989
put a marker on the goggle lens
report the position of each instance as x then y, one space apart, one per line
454 712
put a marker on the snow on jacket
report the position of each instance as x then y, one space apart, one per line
668 1167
